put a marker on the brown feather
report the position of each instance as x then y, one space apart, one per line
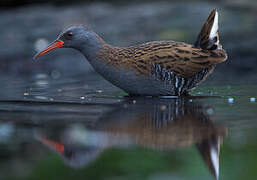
180 58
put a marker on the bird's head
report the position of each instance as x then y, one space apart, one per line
77 37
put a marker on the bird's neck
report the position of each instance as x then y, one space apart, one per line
98 53
93 46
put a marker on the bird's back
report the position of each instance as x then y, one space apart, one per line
182 59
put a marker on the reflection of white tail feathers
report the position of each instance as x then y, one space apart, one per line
214 153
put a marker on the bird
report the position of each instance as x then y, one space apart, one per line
157 68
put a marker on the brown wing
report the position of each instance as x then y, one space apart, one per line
181 58
177 57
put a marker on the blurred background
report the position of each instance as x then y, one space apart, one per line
57 114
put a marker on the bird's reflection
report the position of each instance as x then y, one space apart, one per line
162 124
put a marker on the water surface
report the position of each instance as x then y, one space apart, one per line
82 127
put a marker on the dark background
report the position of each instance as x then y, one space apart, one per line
24 24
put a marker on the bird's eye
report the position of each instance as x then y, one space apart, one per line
69 35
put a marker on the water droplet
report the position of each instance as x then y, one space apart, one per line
99 91
26 94
231 100
82 97
41 97
252 99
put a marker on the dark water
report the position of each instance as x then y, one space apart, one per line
77 127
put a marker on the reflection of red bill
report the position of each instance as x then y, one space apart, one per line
54 45
59 147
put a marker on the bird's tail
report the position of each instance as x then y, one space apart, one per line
208 38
